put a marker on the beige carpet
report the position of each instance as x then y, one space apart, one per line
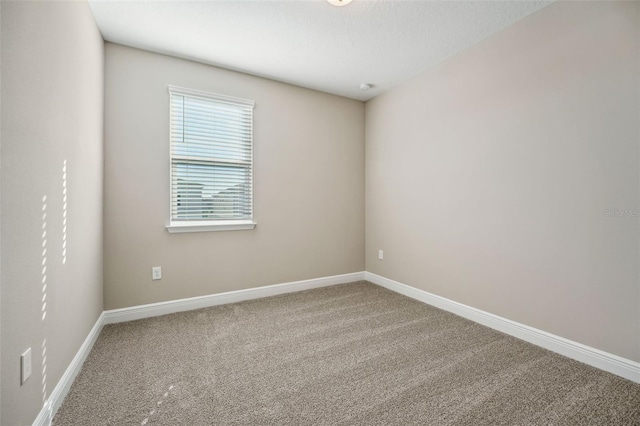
348 354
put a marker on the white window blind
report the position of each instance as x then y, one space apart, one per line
211 158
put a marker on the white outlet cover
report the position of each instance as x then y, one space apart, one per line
156 273
380 254
25 365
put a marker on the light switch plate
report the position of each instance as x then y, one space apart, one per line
25 366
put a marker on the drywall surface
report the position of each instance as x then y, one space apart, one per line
51 173
507 177
308 185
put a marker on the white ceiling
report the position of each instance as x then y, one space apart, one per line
311 43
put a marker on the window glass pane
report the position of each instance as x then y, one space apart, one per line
211 192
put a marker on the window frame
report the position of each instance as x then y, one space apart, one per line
177 226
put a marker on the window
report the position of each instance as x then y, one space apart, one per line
211 161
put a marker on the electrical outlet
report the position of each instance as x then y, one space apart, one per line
156 273
380 255
25 366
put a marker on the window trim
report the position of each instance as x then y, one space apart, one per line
208 225
204 226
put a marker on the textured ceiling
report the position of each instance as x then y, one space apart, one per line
311 43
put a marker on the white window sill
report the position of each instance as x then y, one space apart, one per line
221 225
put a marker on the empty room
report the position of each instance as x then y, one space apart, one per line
319 212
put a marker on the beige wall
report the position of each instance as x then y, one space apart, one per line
309 185
52 111
488 177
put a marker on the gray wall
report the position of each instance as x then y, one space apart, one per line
309 185
52 111
488 178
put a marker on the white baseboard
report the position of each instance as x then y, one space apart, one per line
596 358
180 305
62 388
44 417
